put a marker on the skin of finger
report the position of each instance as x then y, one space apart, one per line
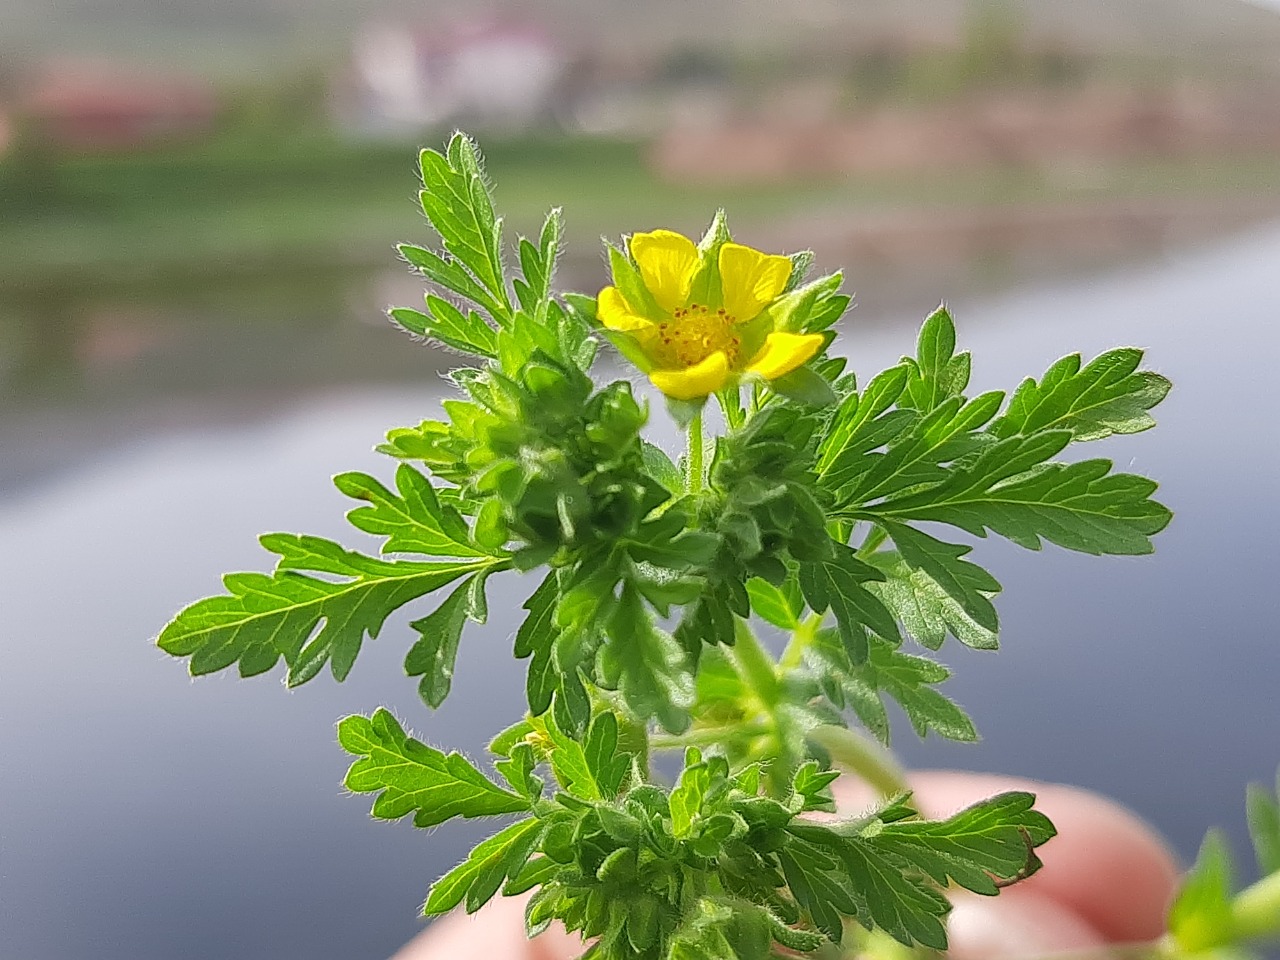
1106 865
1018 923
495 932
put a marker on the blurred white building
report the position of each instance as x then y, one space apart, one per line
487 74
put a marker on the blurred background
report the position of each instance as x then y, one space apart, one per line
198 203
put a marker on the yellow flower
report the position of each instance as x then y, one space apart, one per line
695 320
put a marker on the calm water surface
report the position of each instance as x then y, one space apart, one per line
143 815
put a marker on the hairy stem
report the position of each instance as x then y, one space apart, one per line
633 736
693 462
708 737
801 638
756 665
864 756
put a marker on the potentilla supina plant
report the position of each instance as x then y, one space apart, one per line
807 521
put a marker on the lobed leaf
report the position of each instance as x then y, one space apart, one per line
1107 396
1010 490
411 777
266 617
486 867
413 520
837 584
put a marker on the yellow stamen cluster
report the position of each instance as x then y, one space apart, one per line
694 333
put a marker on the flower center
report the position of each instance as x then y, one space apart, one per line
694 333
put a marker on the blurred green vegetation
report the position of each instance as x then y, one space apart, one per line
248 205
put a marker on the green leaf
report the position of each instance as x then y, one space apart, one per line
517 769
812 784
983 846
414 521
646 665
1264 826
937 374
1201 918
1009 489
837 584
411 777
266 617
660 467
454 277
608 763
478 878
1108 396
432 656
862 423
805 386
772 604
536 638
468 332
916 456
573 771
933 590
456 200
689 793
906 678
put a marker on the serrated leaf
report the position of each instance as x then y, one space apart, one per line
568 760
268 616
646 665
933 590
433 655
456 200
862 423
772 604
413 778
413 520
907 678
1010 490
945 433
937 373
478 877
517 769
993 840
837 584
454 277
468 333
812 783
1108 396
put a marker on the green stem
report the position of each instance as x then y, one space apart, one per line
875 537
633 737
864 756
693 462
709 737
756 665
801 639
1255 912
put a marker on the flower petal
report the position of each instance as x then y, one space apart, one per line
784 352
702 378
750 279
615 313
667 263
